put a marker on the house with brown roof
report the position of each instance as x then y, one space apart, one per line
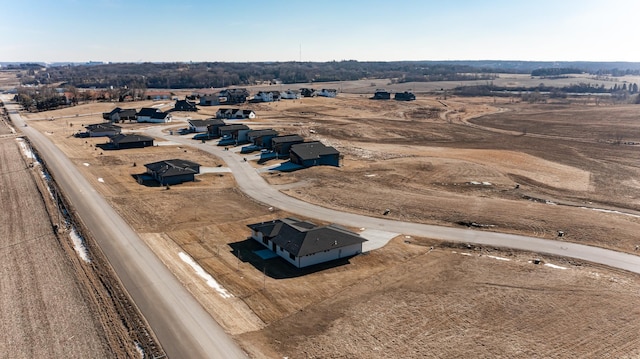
303 243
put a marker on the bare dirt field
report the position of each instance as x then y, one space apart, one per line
451 162
54 304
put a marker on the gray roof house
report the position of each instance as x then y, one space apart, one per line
282 144
303 243
103 130
314 153
123 141
174 171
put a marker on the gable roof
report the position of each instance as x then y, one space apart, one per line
103 127
312 150
173 167
207 122
302 238
122 138
260 133
236 127
147 111
286 139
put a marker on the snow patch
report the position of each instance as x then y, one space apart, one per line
554 266
86 164
486 183
611 211
467 254
204 275
101 180
371 175
78 245
140 350
26 150
499 258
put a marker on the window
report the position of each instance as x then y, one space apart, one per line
293 258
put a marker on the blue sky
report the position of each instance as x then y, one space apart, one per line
372 30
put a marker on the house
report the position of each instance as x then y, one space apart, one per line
303 243
282 144
404 96
262 138
307 92
185 105
119 115
237 133
290 95
267 96
173 171
122 141
103 130
157 95
209 100
203 125
153 115
314 153
381 95
235 113
233 96
328 93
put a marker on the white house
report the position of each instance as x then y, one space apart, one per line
203 125
266 96
153 115
290 95
235 113
328 92
302 243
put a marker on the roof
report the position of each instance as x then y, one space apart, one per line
174 167
261 133
128 112
313 150
122 138
286 139
147 111
233 128
207 122
103 127
302 238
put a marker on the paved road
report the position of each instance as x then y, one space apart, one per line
183 327
251 183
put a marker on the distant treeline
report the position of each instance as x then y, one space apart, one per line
223 74
580 88
555 71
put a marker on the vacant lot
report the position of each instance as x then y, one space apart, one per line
432 161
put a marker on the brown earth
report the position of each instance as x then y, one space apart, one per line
419 159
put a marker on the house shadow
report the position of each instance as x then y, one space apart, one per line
275 266
287 166
106 146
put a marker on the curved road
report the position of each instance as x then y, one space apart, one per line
251 183
183 327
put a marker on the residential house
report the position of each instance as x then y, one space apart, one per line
153 115
308 92
303 243
266 96
119 115
123 141
262 138
235 113
314 153
282 144
237 133
174 171
203 125
209 100
185 105
381 95
157 95
404 96
290 95
233 96
328 93
103 130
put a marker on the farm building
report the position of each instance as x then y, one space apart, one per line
203 125
262 138
381 95
170 172
302 243
123 141
238 133
404 96
185 105
152 115
314 153
235 113
103 130
282 144
328 93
